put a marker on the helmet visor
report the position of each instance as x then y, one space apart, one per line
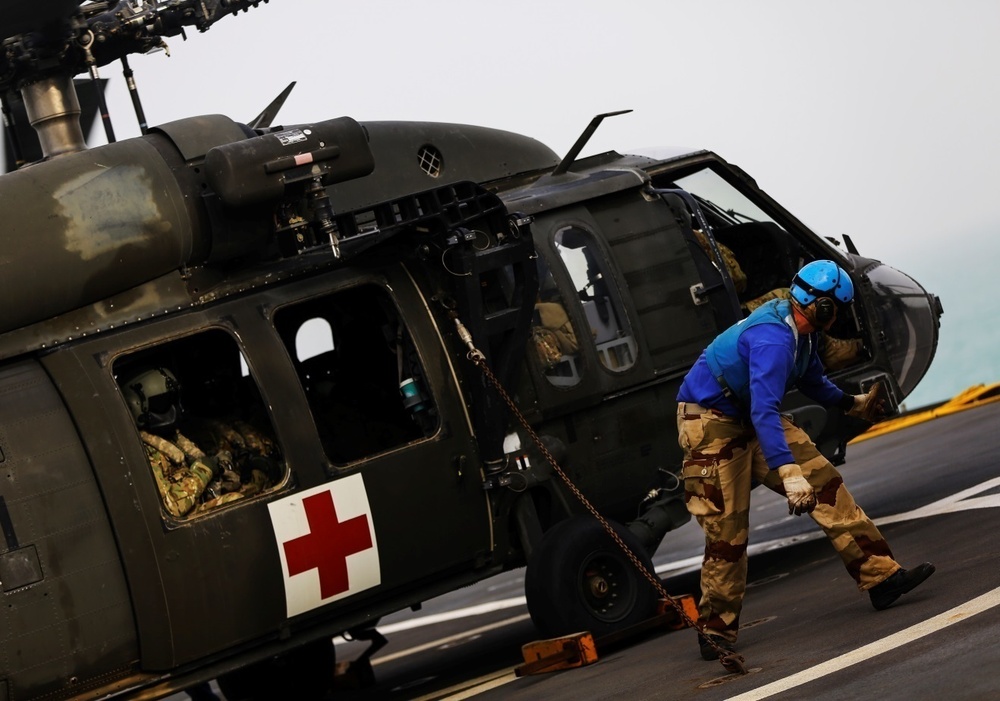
161 411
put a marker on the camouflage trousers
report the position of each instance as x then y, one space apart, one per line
721 455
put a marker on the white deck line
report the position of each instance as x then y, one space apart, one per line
956 615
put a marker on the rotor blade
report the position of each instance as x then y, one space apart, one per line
90 104
264 119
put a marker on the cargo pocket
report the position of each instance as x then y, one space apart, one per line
702 489
690 433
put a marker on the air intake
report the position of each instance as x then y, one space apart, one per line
431 161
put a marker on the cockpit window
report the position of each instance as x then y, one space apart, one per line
607 325
360 372
721 200
201 420
758 254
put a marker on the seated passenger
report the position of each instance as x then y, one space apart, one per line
736 273
554 318
553 336
188 479
247 458
779 293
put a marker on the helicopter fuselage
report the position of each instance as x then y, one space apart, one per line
320 300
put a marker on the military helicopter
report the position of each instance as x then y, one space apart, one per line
324 283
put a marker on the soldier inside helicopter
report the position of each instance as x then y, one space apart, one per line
201 423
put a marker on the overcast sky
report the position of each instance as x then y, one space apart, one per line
876 119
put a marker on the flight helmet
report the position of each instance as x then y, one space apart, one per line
822 278
154 398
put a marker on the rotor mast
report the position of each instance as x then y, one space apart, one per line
54 111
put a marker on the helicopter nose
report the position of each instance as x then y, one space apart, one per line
909 318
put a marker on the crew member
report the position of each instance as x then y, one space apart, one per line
554 336
731 432
238 463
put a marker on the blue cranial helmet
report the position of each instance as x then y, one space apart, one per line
822 278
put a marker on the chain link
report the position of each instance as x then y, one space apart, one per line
730 660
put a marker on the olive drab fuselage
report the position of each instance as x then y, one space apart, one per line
315 283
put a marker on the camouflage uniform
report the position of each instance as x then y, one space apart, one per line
180 469
239 446
555 319
192 483
733 266
778 293
721 455
838 353
555 337
239 436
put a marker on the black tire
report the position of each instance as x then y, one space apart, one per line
579 579
304 673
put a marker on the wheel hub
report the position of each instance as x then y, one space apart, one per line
598 585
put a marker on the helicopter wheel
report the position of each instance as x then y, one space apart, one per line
304 673
579 579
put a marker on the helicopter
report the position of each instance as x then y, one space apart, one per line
328 283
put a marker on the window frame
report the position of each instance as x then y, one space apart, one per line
622 327
389 296
114 367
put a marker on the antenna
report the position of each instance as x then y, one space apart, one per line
264 119
570 157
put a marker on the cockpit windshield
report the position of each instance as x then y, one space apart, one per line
730 226
720 200
725 205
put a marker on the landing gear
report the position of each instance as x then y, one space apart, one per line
578 579
305 673
358 673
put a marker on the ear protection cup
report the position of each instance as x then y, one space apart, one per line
825 309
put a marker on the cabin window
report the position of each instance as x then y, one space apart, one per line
360 372
608 328
202 423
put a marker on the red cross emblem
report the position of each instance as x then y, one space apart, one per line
326 542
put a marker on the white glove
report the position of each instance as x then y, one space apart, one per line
801 497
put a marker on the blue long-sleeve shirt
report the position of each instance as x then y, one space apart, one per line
770 351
